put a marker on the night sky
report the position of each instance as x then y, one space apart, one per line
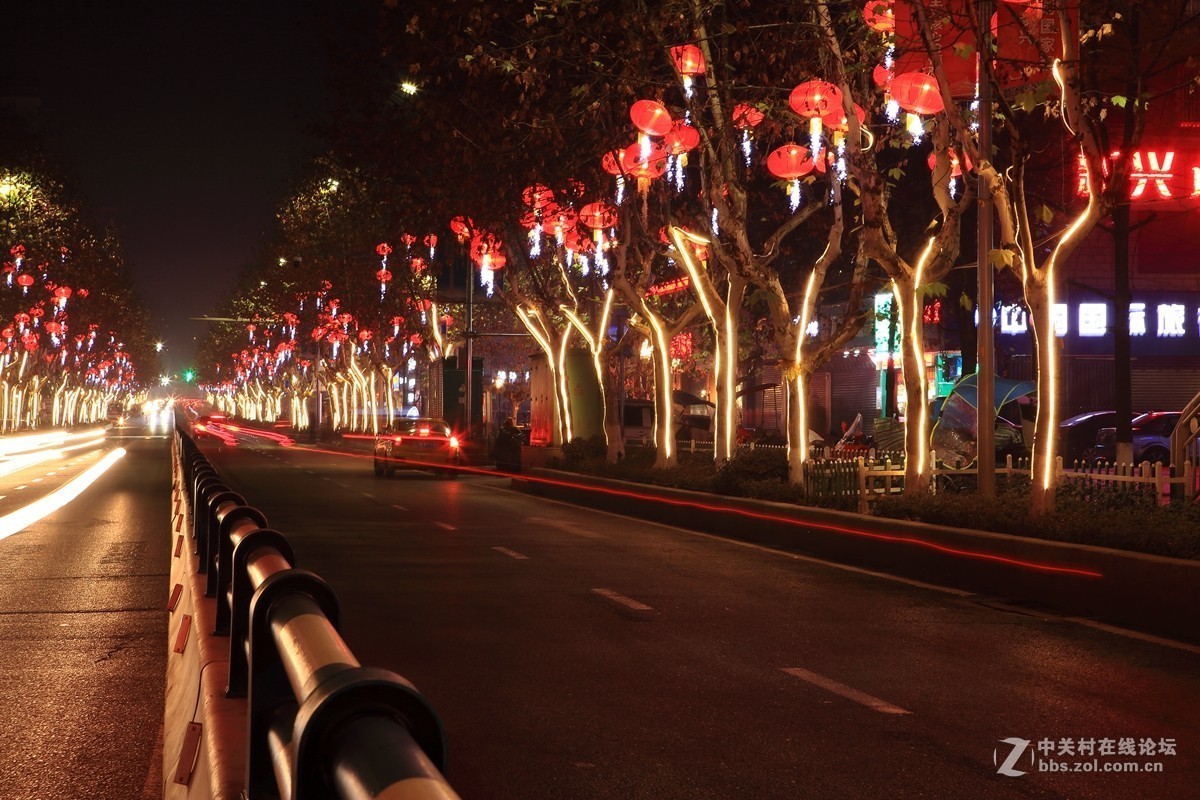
182 123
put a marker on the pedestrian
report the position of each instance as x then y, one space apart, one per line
508 447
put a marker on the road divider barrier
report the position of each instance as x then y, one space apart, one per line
264 698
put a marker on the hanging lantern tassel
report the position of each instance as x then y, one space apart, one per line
535 242
794 194
912 123
839 143
814 135
619 197
487 276
747 145
892 109
715 222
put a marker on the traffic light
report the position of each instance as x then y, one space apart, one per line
189 375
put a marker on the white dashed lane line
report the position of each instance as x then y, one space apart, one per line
628 602
511 553
399 508
848 692
368 495
445 526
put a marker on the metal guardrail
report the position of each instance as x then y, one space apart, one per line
319 724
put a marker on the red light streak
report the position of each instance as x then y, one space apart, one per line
983 556
740 512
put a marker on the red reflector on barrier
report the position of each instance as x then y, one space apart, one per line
178 545
181 639
188 752
174 601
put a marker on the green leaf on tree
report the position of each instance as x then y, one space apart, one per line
1047 214
1000 258
964 50
1118 100
966 302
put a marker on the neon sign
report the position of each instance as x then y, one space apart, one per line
669 287
1092 319
1154 174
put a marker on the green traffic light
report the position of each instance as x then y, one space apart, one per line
189 375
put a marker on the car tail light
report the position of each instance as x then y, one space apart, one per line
398 439
453 442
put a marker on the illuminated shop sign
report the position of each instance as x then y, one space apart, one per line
1155 175
1158 320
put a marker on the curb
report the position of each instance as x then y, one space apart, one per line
1147 593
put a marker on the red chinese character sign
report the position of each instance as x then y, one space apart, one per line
1156 175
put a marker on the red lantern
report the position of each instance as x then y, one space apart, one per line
881 76
917 93
836 119
880 16
25 281
537 196
645 167
815 98
956 170
650 117
383 249
611 161
63 292
462 227
365 335
688 58
746 116
383 276
681 138
576 242
431 241
53 328
487 250
562 219
598 215
418 264
789 162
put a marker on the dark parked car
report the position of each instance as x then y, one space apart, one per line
1077 434
1151 438
417 443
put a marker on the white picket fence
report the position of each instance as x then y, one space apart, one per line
877 479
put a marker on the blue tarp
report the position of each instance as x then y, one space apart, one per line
1006 390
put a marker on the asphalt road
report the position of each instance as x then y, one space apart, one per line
577 654
83 630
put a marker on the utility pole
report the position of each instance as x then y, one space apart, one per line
985 340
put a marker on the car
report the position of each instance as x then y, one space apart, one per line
417 443
1077 434
1151 439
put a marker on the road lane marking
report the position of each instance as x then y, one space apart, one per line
848 692
37 480
628 602
399 508
368 494
445 526
22 486
511 553
566 527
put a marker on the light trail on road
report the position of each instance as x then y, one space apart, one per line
21 519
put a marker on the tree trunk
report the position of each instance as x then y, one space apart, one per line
1045 478
664 421
726 338
797 423
917 466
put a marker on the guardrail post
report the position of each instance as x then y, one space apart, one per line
241 592
227 516
217 496
270 693
862 486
